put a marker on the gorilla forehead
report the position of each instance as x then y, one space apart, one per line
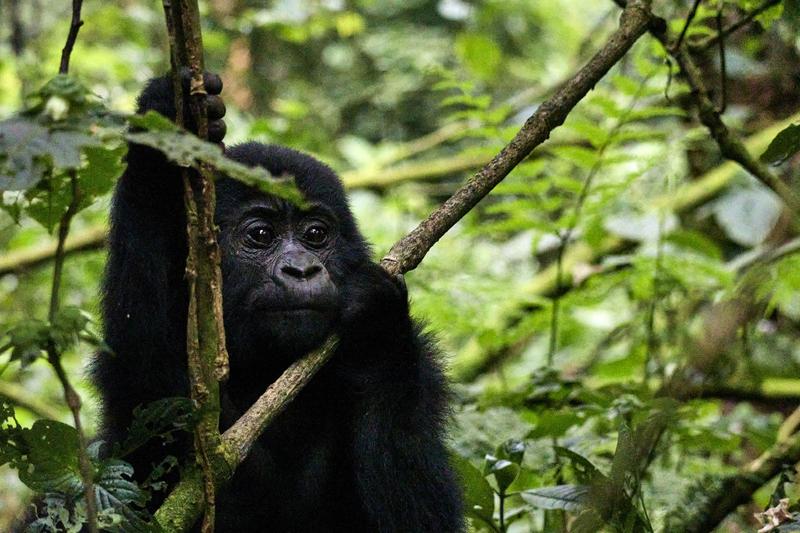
314 179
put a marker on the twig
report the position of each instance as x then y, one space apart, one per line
689 19
409 251
723 68
74 27
708 42
71 397
731 147
24 259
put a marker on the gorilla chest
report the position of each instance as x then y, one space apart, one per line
303 457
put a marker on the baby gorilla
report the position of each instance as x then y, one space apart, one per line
361 447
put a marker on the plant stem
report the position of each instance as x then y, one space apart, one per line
71 396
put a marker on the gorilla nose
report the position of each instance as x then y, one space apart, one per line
299 266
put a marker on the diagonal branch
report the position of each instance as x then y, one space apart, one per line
411 249
184 504
730 145
708 42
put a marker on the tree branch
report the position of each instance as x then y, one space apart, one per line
205 334
730 145
708 42
24 259
409 251
182 505
22 397
74 27
71 397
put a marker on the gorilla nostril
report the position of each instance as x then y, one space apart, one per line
301 273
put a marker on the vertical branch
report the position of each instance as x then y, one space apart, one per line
17 30
71 396
723 69
74 27
205 335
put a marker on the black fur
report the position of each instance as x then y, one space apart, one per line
361 448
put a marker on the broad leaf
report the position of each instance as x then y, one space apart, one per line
783 146
187 150
478 495
565 497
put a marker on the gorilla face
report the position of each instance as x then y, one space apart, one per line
279 275
283 269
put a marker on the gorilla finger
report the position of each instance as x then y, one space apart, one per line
215 106
212 82
217 130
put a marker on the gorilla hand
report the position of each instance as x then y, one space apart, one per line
159 96
374 306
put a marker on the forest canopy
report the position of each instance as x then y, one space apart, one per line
595 204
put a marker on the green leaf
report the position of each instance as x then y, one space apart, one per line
585 471
114 479
27 340
118 497
478 495
480 53
554 423
783 146
187 150
52 458
504 473
565 497
161 418
28 150
23 153
512 450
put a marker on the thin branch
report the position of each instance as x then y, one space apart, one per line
723 67
708 42
74 27
409 251
24 259
27 399
205 334
71 396
731 147
414 170
689 19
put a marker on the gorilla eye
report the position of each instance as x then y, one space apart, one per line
316 235
260 235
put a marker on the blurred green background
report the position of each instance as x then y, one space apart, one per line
567 298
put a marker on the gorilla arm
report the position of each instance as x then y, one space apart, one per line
144 300
401 464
